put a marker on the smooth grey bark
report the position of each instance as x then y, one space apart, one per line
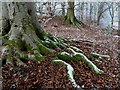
49 9
5 19
63 8
119 18
111 11
23 34
100 12
95 12
82 11
86 11
91 9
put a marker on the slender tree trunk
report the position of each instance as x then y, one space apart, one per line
118 19
6 20
49 8
100 11
111 11
82 10
91 9
95 12
86 11
63 9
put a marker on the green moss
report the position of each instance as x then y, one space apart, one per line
50 44
29 47
64 56
39 57
60 63
10 42
43 50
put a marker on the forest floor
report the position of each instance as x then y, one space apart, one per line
49 75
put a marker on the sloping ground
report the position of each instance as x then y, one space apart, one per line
102 43
49 75
90 33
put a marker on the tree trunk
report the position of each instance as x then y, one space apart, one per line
6 20
24 32
49 8
86 11
95 12
82 10
70 17
91 9
100 10
119 19
63 9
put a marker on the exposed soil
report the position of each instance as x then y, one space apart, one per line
49 75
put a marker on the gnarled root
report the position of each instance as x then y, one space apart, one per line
100 56
73 21
70 72
79 56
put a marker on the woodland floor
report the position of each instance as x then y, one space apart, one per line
49 75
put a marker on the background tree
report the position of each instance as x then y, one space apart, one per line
70 17
119 19
90 13
63 8
86 14
49 8
6 20
111 11
82 10
100 11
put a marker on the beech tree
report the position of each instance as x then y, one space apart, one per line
26 35
119 19
70 17
63 8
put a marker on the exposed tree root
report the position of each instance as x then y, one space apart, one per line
70 72
100 56
73 21
40 48
79 56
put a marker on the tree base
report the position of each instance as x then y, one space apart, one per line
72 21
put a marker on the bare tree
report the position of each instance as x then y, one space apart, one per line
49 8
82 11
111 11
91 9
119 19
95 12
101 10
86 10
63 8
